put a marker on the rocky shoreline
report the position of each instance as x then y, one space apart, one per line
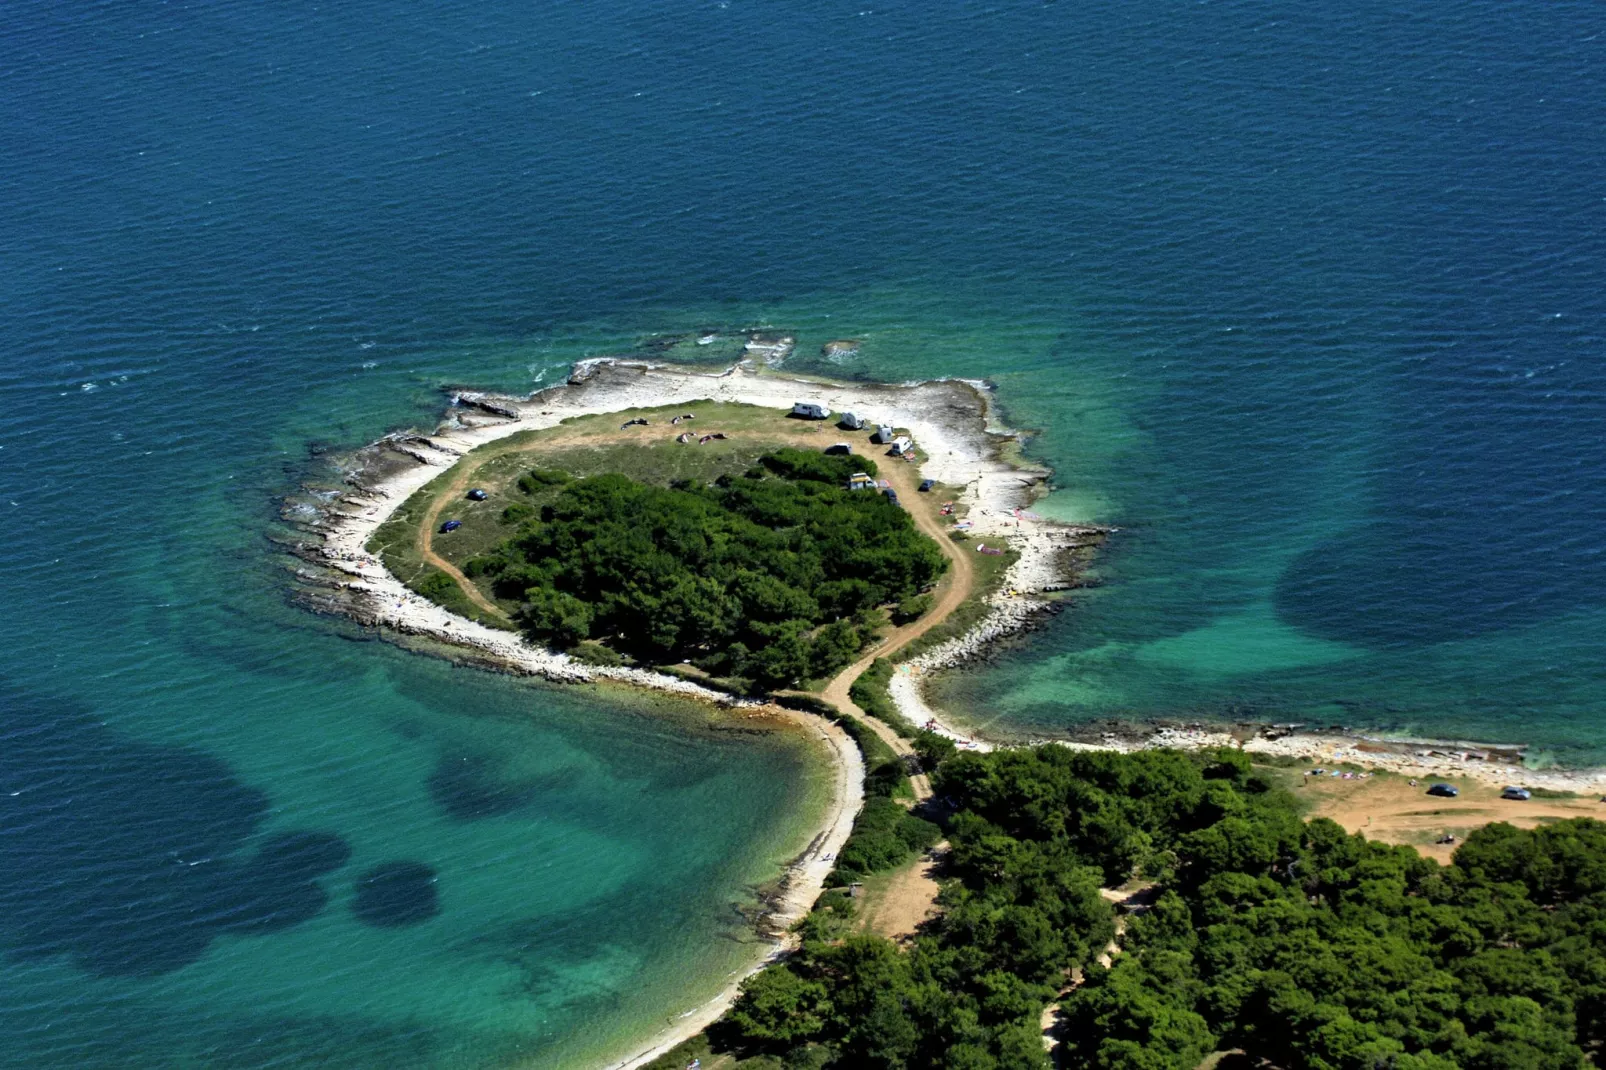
950 420
953 423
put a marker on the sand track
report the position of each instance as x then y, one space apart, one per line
952 591
426 541
1391 809
909 897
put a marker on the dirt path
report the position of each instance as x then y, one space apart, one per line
951 592
1390 809
908 899
1049 1021
426 540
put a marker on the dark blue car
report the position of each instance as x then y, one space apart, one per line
451 525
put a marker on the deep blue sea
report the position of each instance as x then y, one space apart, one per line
1308 301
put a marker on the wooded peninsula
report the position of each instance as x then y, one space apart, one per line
1061 905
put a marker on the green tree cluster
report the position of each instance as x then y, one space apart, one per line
833 468
885 836
771 576
1304 946
1331 951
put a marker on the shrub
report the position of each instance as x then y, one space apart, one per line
517 512
595 654
484 565
884 836
435 585
869 693
562 619
537 478
911 609
817 467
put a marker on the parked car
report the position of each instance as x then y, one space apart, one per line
927 484
477 495
1520 794
892 495
1444 791
451 525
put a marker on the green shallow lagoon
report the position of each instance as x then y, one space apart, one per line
590 853
176 722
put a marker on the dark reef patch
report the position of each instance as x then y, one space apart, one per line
283 891
467 787
1394 586
125 856
396 894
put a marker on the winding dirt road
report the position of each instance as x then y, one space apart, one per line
951 592
954 588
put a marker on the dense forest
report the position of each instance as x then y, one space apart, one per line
1289 941
774 576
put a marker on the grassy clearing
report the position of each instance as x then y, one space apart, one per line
395 543
582 446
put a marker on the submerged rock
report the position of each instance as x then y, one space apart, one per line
396 894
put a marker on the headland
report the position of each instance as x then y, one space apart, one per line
1008 562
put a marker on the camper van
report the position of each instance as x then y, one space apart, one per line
850 422
900 446
840 449
810 410
883 433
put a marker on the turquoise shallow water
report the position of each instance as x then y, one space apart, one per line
199 782
1308 303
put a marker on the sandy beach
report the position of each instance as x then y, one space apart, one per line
793 898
